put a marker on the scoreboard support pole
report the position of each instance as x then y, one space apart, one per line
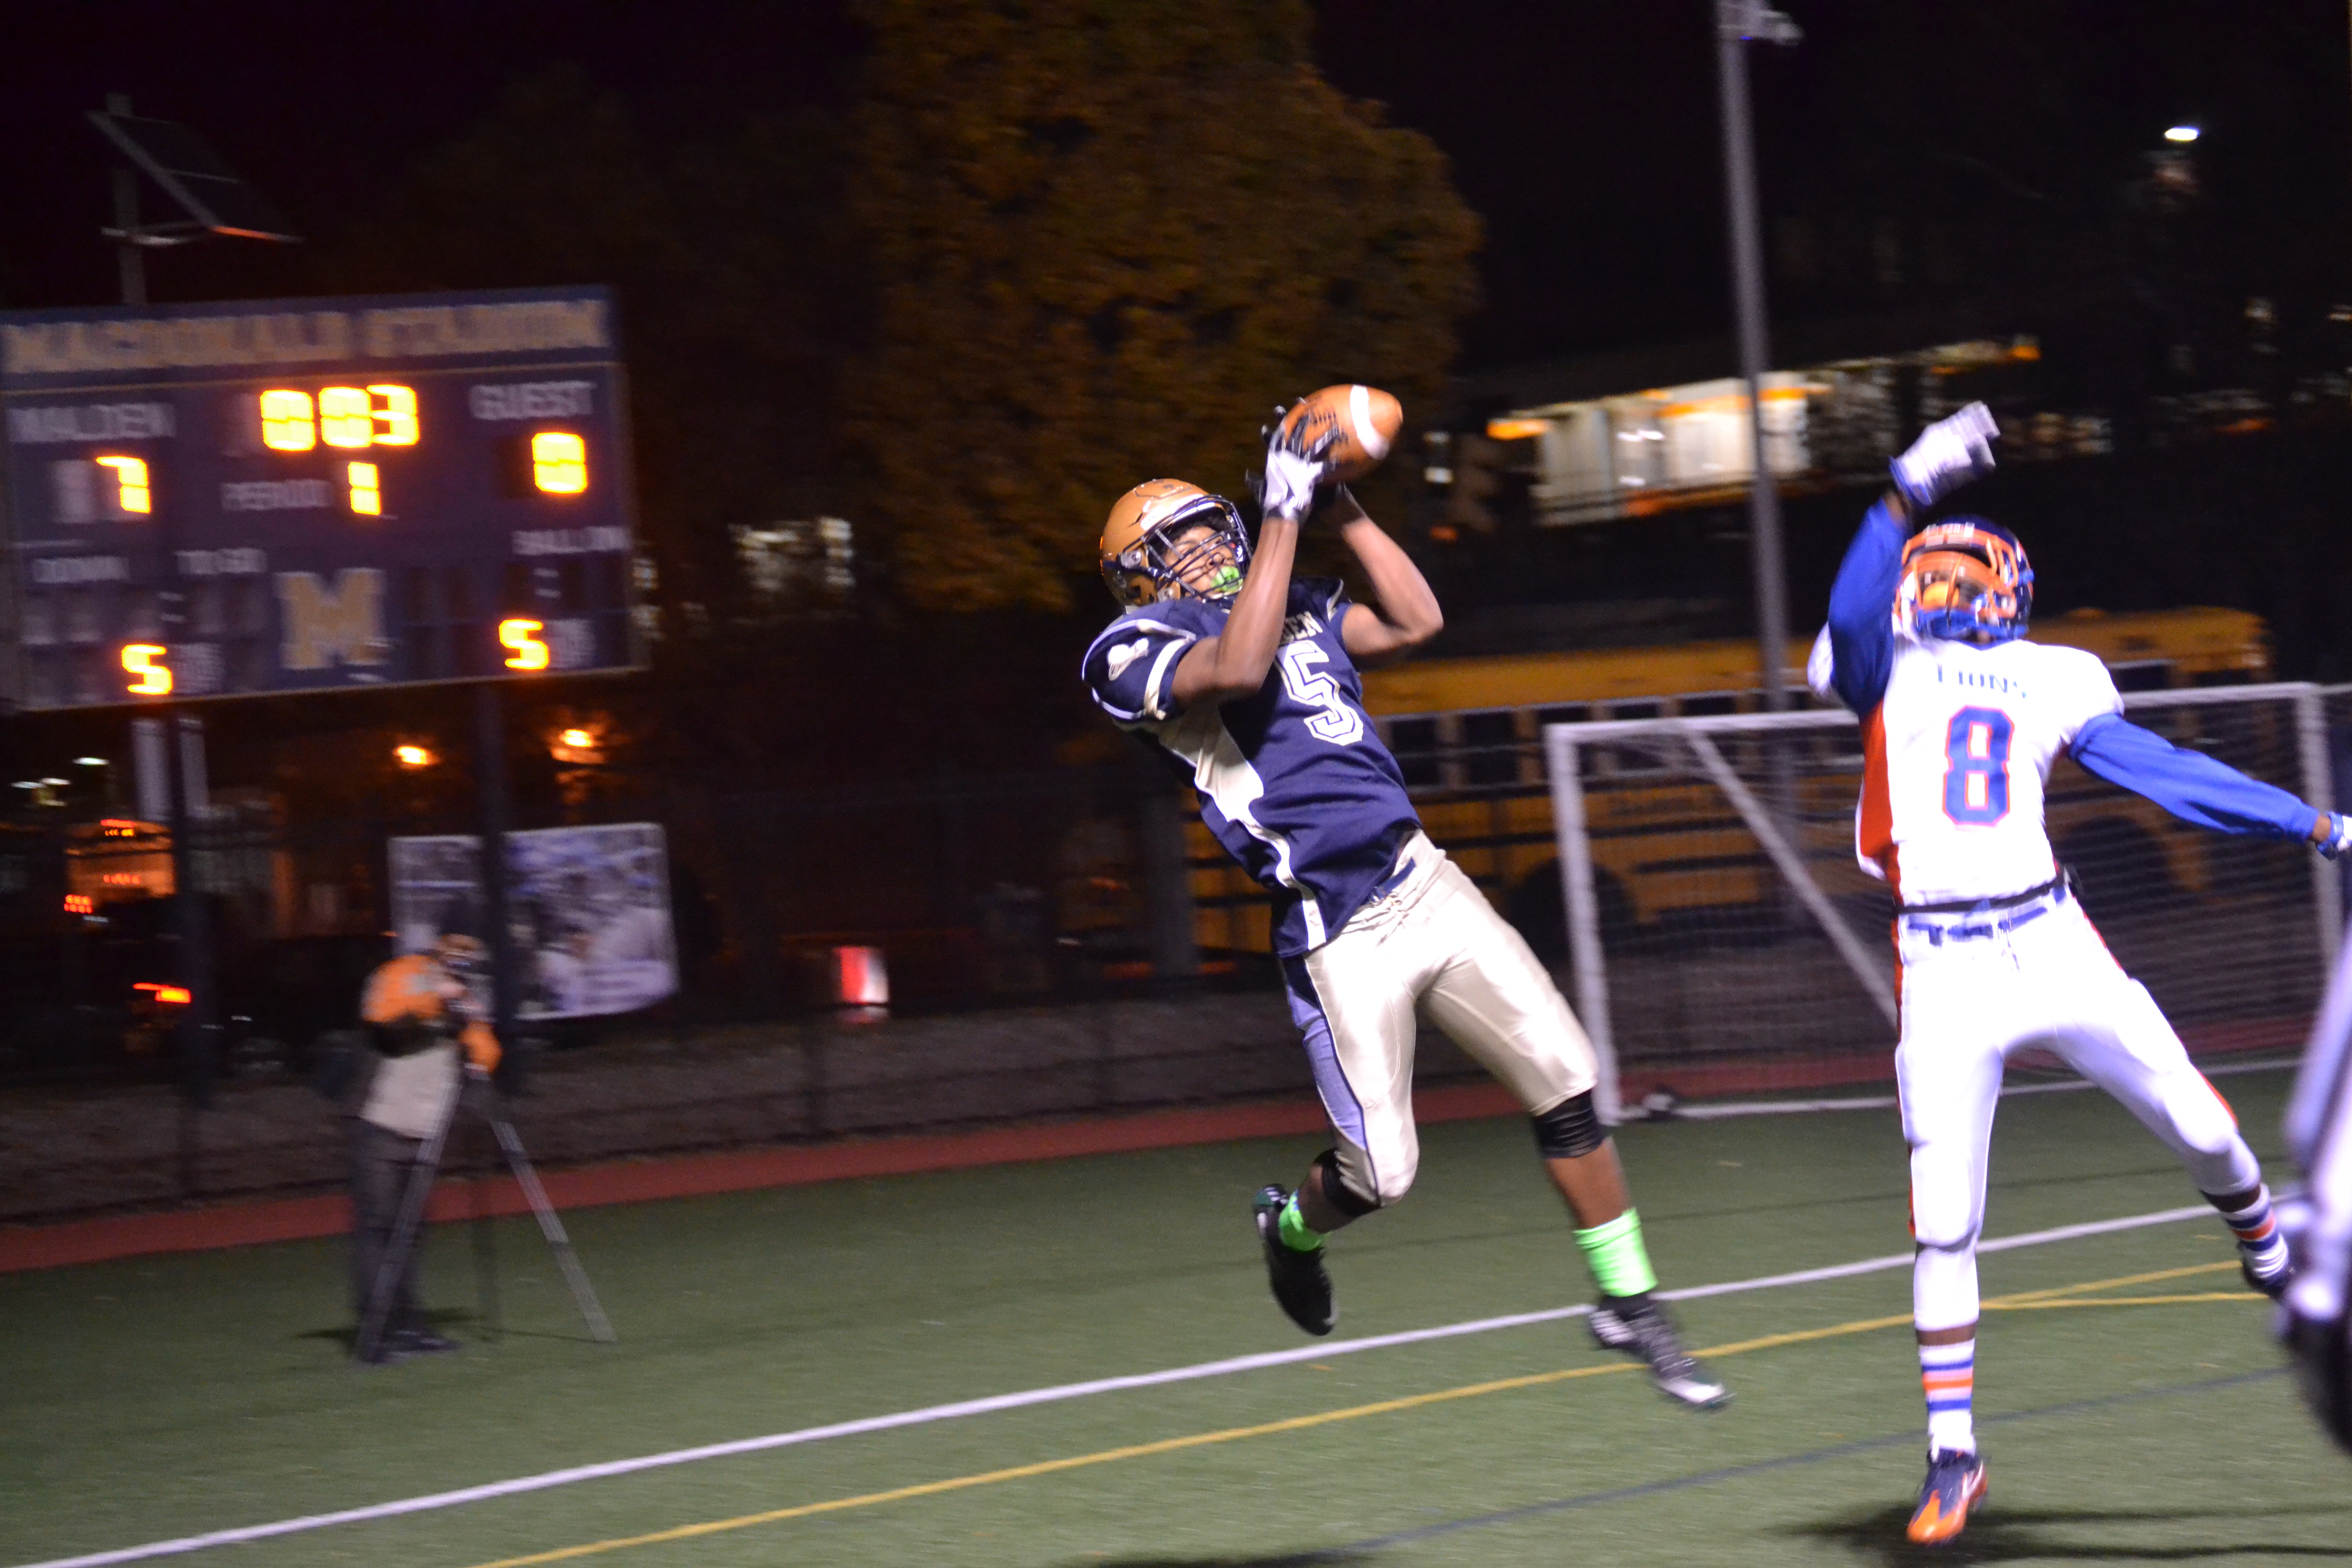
491 774
183 767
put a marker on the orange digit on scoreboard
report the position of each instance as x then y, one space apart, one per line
145 660
521 638
558 462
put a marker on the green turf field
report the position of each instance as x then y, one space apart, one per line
158 1398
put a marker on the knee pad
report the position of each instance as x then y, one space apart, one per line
1943 1224
1340 1192
1570 1129
2203 1117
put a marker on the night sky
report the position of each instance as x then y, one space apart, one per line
1584 131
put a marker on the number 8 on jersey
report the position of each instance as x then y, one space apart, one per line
1976 784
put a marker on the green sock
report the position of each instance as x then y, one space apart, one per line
1620 1263
1292 1228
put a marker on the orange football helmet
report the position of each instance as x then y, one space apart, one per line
1141 561
1964 579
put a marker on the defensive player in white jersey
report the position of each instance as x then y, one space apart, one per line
1247 680
1961 719
2317 1320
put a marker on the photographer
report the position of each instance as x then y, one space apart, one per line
422 1011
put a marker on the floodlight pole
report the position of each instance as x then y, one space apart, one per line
127 259
214 201
1736 21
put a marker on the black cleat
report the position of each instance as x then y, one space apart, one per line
1648 1334
1301 1286
2272 1284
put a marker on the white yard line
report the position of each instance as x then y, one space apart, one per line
928 1414
1887 1101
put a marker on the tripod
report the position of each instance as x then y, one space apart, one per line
410 1223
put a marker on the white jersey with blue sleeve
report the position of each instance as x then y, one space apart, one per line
1958 739
1959 754
1292 780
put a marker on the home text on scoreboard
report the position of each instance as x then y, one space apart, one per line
224 499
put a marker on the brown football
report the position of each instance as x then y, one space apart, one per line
1364 421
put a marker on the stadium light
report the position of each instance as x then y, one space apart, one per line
90 762
413 756
2182 134
211 197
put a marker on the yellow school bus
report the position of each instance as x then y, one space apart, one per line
1467 733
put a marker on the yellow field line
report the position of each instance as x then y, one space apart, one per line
2023 1301
1048 1466
2149 1278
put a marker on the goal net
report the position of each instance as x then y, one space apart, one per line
1723 941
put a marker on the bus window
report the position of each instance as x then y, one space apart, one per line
1490 742
1647 758
1548 716
2150 675
1414 744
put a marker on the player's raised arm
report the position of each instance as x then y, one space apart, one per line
1861 605
1235 662
1407 615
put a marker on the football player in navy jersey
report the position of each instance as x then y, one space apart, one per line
1247 680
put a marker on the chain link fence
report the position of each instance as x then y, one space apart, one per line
1720 929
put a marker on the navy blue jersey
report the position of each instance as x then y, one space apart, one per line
1292 780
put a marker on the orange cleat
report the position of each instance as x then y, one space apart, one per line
1955 1485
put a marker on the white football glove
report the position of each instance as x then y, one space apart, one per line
1286 488
1948 455
2337 828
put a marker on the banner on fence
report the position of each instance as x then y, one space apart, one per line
589 907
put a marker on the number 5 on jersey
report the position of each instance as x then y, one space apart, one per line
1338 724
1976 782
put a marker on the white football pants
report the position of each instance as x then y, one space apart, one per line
1432 940
1967 1006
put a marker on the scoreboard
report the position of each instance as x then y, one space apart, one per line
240 499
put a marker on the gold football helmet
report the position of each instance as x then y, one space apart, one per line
1143 561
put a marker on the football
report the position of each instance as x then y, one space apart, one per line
1364 418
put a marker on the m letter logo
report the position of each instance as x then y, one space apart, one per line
325 625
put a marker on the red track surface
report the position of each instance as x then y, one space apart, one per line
701 1175
641 1180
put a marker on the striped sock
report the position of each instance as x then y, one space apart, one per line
1949 1373
2248 1216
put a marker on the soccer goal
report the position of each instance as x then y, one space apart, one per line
1723 941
